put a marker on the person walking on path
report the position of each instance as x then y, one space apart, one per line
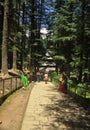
24 80
63 83
46 77
38 74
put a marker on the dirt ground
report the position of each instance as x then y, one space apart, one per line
13 108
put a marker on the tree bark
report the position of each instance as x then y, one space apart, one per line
4 68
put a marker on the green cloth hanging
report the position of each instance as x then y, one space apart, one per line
24 80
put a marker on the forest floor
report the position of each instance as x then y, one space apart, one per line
12 109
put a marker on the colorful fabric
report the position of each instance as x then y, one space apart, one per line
61 87
24 80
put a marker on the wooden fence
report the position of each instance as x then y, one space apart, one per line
8 85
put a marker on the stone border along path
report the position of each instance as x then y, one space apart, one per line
49 109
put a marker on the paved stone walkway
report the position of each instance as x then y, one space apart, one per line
48 109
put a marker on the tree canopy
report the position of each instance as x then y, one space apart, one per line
67 40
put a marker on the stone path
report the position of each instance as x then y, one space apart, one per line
48 109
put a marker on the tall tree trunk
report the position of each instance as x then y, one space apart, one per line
32 33
4 69
14 58
14 67
82 39
23 37
1 28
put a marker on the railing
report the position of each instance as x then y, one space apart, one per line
8 85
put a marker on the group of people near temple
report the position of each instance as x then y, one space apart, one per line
42 76
62 81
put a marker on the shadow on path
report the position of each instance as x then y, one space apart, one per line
66 113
